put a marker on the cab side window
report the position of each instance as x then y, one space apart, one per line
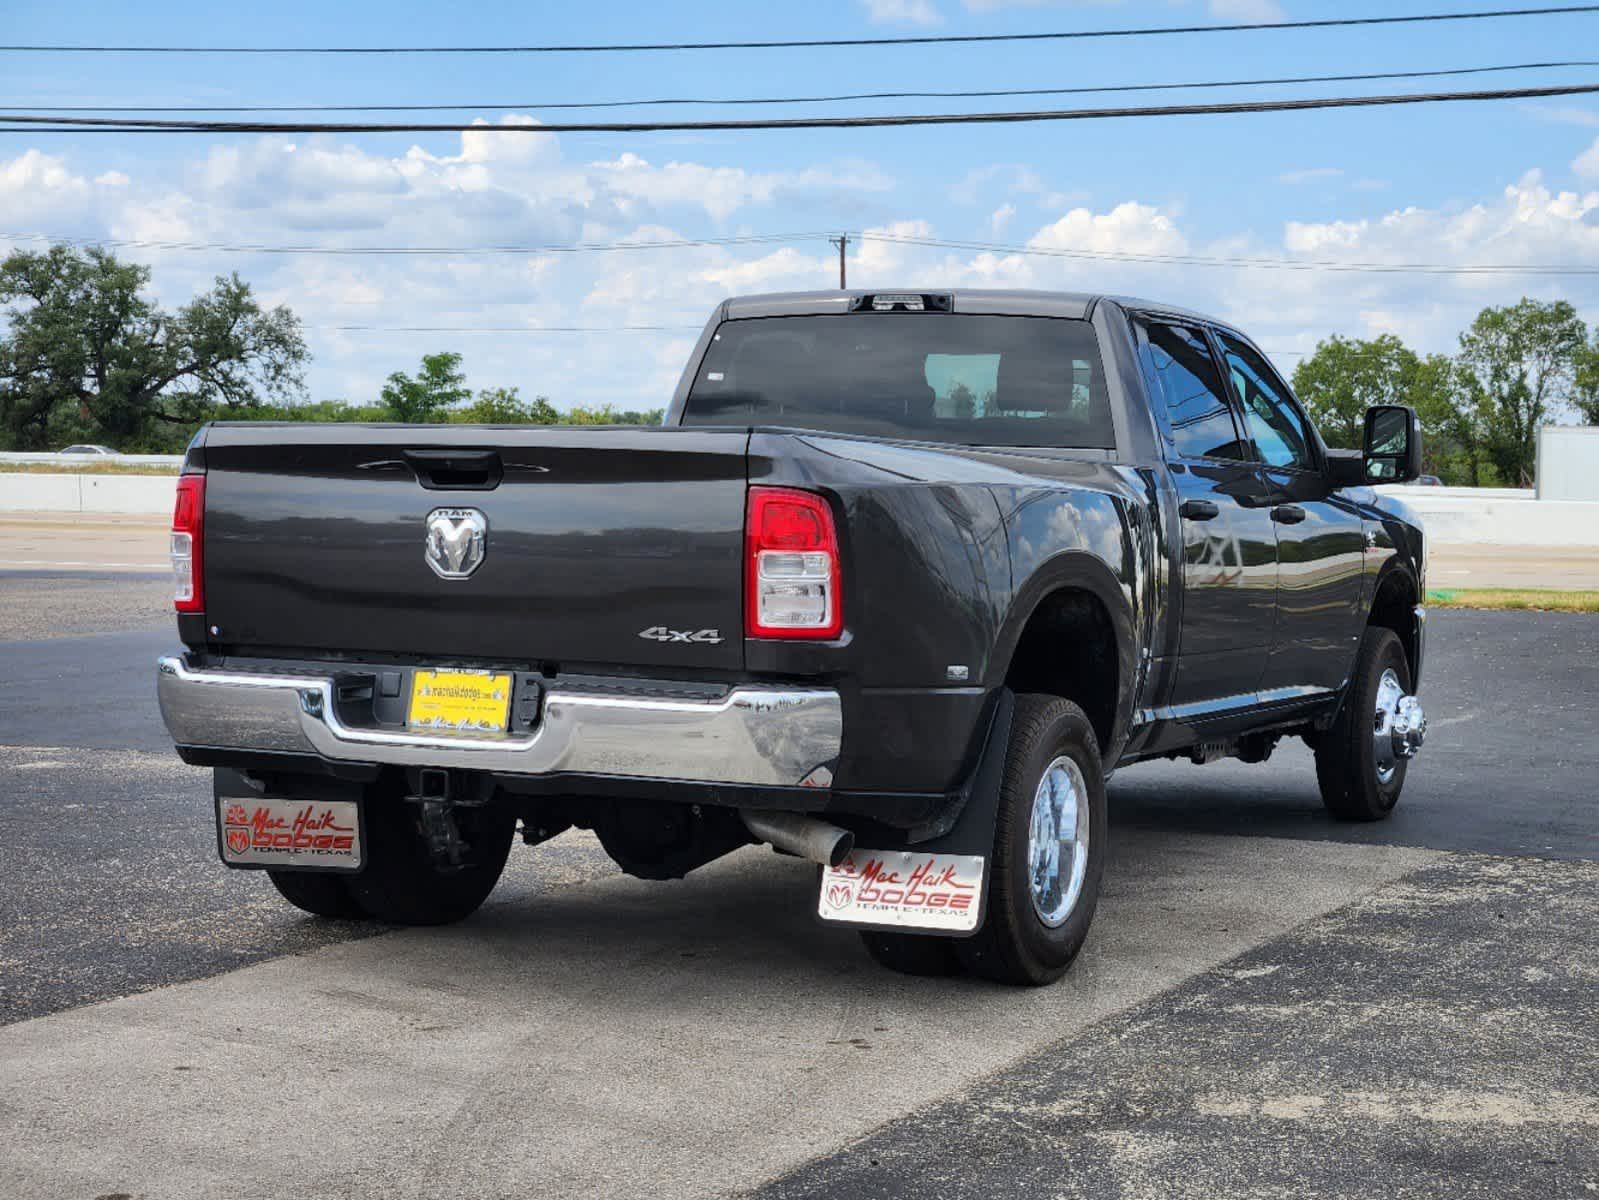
1184 375
1274 421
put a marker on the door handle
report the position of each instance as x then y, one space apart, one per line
1199 510
1288 514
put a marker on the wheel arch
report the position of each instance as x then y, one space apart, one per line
1394 599
1070 633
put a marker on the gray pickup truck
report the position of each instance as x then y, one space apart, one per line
901 578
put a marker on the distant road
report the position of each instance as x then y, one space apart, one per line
100 542
68 541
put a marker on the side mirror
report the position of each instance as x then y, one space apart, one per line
1393 444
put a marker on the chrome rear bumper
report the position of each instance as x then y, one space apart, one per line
775 736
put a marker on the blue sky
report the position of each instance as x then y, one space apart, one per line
1509 182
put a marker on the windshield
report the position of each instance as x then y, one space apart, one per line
947 377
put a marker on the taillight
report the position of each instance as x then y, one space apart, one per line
791 566
188 537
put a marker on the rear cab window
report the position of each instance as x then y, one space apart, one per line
965 378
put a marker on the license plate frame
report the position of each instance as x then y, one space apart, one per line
458 700
283 833
905 891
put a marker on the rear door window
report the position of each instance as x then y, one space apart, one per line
1185 377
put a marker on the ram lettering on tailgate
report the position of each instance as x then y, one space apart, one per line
904 889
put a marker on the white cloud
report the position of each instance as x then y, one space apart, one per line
1586 164
521 189
902 12
1128 228
35 186
1247 10
722 191
1309 175
1562 114
1014 180
1222 10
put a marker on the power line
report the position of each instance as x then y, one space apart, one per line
570 248
54 124
664 101
507 328
969 245
1200 260
817 43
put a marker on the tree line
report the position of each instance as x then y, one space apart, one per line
1517 367
86 355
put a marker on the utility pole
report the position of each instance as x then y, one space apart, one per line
841 241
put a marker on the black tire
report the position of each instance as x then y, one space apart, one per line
320 894
1014 945
404 884
912 953
1346 762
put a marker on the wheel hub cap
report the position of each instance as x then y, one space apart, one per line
1398 728
1057 843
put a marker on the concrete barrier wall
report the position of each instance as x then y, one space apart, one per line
1500 517
1453 516
73 462
88 493
1568 462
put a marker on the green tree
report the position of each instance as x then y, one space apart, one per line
1585 381
438 385
1450 444
87 355
504 406
1516 366
963 400
1346 376
606 415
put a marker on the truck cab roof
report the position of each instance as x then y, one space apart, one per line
1010 301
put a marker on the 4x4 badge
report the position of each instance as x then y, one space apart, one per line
660 633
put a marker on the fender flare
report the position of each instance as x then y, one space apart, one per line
1400 568
1396 566
1076 570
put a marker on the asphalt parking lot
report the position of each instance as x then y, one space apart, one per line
1269 1005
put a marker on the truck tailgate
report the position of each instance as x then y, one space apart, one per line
315 539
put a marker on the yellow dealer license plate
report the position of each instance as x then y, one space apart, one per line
465 701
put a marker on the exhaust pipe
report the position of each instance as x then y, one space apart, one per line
800 835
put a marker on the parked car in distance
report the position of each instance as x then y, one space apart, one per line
1428 481
87 450
900 580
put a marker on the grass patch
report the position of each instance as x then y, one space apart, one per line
1523 599
85 467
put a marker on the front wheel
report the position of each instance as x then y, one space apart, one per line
1049 848
1361 761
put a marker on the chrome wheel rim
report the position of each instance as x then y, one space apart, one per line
1389 693
1057 841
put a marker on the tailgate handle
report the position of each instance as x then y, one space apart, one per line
456 470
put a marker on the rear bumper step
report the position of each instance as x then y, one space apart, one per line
775 736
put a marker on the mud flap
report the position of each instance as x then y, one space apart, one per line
934 886
319 826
